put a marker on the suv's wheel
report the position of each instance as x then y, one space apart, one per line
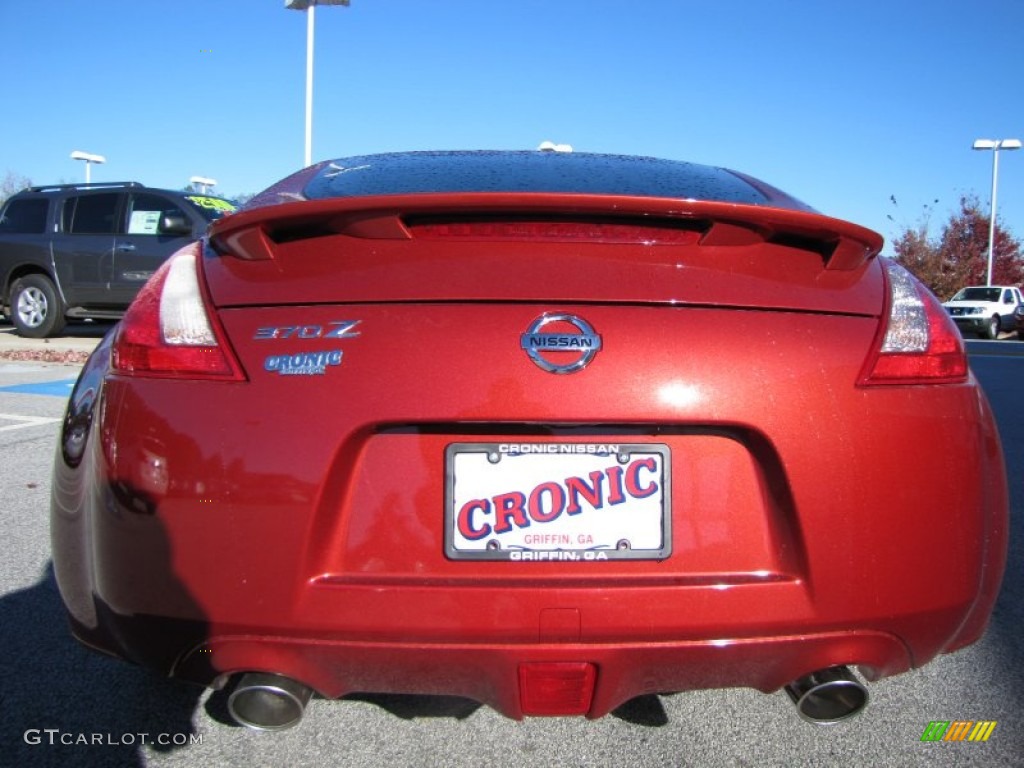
36 310
991 328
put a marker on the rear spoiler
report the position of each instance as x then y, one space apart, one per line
254 234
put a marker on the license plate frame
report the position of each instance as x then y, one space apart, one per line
579 501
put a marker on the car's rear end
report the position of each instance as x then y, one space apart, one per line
545 448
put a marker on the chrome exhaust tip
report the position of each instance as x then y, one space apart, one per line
267 702
828 695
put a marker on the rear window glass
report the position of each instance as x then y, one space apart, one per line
581 173
25 216
91 214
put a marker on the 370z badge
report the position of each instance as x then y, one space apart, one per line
581 346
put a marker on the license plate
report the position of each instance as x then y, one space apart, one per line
557 501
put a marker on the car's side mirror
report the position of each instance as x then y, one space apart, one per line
175 224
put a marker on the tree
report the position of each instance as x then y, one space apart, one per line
12 184
960 256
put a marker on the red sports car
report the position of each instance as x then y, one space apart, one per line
545 430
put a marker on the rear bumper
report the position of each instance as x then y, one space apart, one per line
346 639
492 675
499 675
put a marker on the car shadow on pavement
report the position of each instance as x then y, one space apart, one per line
643 710
62 704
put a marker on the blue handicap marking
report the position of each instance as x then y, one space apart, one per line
60 388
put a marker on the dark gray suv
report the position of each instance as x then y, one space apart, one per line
85 250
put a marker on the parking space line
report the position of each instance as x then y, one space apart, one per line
25 421
59 388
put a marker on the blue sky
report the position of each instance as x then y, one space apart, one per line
842 104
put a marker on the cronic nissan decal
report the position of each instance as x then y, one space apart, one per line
536 343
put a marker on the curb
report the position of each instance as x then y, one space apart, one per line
75 346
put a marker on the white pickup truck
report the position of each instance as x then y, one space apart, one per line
985 309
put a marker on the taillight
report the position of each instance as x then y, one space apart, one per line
918 342
167 331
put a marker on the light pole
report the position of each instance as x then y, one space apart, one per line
995 146
309 6
550 146
89 160
203 182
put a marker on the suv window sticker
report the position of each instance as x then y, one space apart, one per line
213 203
144 223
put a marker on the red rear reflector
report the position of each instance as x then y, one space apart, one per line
554 231
556 688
